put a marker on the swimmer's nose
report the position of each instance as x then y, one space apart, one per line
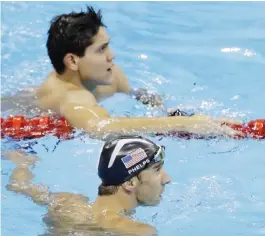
110 56
165 178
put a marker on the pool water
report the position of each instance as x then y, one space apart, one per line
205 56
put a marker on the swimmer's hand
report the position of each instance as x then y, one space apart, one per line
147 98
214 127
19 158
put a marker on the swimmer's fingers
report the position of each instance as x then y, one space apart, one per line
213 128
216 127
19 157
223 130
229 132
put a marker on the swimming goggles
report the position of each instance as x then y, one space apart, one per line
160 154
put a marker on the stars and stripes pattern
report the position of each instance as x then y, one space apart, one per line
134 158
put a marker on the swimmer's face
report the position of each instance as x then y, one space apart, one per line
151 185
96 65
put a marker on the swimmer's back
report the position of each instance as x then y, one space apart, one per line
66 211
72 213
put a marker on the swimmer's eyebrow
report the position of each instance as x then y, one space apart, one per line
104 44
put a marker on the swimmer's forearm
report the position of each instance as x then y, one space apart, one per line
95 120
39 194
144 125
20 179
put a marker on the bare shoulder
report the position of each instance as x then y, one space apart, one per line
82 111
50 93
47 84
79 96
65 198
128 226
55 93
55 86
70 209
122 80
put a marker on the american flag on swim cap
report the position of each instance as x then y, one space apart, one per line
134 158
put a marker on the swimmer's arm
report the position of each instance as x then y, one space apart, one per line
123 85
20 180
96 121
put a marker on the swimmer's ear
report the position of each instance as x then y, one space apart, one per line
130 185
71 61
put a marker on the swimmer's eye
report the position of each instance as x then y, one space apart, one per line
158 168
102 49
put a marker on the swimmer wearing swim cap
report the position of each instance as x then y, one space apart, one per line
129 167
132 174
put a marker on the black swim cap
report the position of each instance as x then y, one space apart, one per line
125 157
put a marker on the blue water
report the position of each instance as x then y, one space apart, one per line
207 56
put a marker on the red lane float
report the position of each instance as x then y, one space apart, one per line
19 127
254 129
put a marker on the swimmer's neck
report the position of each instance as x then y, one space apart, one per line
91 87
75 79
117 203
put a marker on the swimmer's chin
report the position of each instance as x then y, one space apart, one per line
158 200
105 81
153 203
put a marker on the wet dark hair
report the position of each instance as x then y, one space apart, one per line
107 190
72 33
111 189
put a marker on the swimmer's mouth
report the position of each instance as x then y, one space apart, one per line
110 68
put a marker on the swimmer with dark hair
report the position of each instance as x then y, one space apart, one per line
132 174
84 73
